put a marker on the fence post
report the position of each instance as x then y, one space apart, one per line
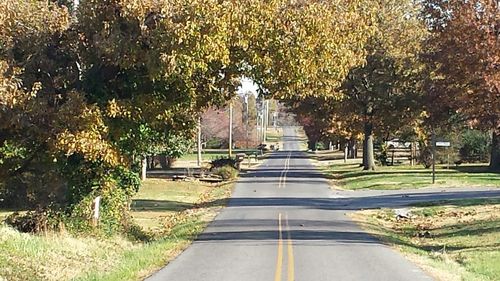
96 204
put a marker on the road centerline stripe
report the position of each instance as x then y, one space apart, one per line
291 259
279 261
287 167
284 172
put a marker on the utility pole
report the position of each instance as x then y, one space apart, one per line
199 142
263 121
433 143
231 129
247 117
266 119
259 127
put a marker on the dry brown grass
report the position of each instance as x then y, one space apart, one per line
457 240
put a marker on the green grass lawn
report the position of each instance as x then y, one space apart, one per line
351 176
452 240
174 213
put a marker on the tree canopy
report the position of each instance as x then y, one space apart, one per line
85 96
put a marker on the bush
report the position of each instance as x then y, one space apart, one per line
475 146
226 172
382 156
40 220
425 157
222 162
113 217
136 233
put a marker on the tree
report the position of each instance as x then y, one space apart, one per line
314 115
384 91
382 96
300 48
83 101
463 60
215 124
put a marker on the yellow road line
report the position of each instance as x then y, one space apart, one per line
279 261
287 167
282 179
290 256
291 260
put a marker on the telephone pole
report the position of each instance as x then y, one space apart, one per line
199 142
231 129
265 119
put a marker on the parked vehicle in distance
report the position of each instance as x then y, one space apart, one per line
397 143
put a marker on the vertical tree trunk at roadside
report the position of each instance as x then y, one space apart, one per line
342 145
163 161
355 154
345 154
198 146
364 153
312 144
144 166
151 162
352 148
495 151
230 146
368 155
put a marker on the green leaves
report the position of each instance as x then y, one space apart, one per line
379 82
128 78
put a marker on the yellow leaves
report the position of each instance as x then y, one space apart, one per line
115 109
137 8
90 144
80 128
307 48
19 18
11 94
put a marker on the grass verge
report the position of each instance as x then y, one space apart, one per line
351 176
173 212
451 240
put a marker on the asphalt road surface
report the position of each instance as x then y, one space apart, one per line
285 223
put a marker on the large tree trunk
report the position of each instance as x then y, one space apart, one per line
495 151
312 144
368 155
352 151
163 161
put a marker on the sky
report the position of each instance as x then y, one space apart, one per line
247 85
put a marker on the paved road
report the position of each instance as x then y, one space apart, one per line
285 223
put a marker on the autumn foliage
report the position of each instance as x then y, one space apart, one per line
464 60
86 93
85 96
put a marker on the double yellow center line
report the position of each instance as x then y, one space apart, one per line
279 261
282 180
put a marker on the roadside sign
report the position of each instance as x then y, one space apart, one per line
443 143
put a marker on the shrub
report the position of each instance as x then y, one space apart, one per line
136 233
40 220
222 162
382 156
475 146
113 216
425 157
226 172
